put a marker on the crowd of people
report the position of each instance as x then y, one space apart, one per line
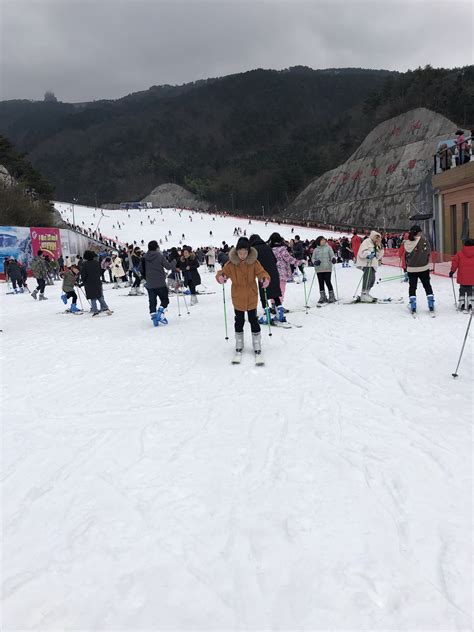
460 152
259 270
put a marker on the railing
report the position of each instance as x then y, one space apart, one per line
454 156
440 262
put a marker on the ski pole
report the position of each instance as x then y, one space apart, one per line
185 303
304 286
335 280
84 294
267 312
455 374
225 313
391 278
177 298
80 301
454 293
360 281
311 287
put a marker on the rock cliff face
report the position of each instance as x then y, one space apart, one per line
6 180
173 195
385 181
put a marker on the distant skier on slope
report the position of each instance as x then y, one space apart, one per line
243 269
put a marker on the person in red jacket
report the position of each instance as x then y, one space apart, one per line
463 262
355 242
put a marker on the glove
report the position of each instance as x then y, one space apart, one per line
265 283
222 279
317 262
334 260
451 274
371 255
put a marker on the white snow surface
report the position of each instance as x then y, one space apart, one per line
148 484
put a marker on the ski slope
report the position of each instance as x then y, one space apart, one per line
148 484
195 226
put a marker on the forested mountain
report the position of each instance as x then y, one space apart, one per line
246 140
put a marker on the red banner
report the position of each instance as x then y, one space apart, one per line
46 239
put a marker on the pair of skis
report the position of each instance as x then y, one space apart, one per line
379 301
259 361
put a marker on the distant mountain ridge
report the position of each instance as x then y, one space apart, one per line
244 141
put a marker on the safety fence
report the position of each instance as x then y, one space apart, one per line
441 262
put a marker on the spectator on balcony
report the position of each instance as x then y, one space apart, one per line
445 157
461 147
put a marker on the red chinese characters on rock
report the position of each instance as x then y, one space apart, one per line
334 179
415 126
412 163
395 131
391 168
375 172
345 177
357 174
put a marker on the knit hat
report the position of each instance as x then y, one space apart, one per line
243 244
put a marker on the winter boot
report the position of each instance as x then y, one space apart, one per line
115 286
332 298
257 342
74 309
42 297
133 291
34 294
64 299
194 299
365 297
412 305
239 341
21 290
322 298
431 302
281 314
160 315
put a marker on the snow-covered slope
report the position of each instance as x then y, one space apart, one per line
148 484
195 226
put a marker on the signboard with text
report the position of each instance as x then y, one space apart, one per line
46 239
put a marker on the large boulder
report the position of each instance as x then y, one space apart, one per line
387 179
175 196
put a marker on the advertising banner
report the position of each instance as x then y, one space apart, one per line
15 242
46 239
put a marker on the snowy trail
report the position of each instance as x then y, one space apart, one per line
149 484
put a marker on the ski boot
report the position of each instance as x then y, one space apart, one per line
365 297
332 298
263 319
42 297
412 304
322 298
431 302
462 304
160 316
273 310
21 290
133 292
74 309
64 299
257 347
281 314
34 294
194 299
154 319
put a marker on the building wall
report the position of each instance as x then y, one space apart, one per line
453 216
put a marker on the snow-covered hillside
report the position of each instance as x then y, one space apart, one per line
148 484
195 226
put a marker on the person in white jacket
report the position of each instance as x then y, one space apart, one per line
368 257
117 270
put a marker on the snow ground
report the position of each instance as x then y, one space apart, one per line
147 484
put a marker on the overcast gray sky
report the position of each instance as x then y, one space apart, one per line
91 49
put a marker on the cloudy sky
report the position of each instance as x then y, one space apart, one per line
91 49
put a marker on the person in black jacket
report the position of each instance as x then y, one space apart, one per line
92 280
268 261
189 264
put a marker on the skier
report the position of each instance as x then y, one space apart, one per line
298 253
91 278
118 272
15 275
211 259
284 261
417 256
242 269
70 278
189 265
368 256
346 252
136 267
323 261
355 242
268 261
153 264
40 272
463 262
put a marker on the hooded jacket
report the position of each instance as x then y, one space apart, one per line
366 247
463 262
153 266
417 254
325 255
243 274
